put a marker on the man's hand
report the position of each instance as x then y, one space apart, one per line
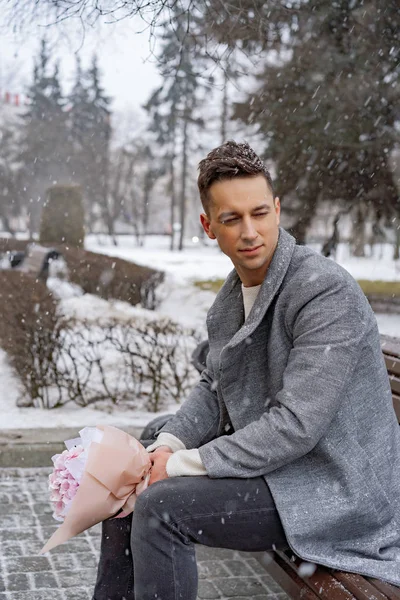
159 459
163 448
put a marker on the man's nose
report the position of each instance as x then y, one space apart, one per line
248 230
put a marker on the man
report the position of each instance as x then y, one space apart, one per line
290 437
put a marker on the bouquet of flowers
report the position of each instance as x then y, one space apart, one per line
100 473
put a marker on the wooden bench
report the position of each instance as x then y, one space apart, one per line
327 584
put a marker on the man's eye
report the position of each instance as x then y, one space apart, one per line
227 221
262 214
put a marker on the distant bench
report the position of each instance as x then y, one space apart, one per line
327 584
35 260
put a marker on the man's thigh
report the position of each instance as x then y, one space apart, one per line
239 514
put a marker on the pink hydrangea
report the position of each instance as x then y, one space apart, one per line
63 486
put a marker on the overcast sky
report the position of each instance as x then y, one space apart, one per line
125 58
126 54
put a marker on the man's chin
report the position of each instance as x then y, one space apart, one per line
252 265
253 261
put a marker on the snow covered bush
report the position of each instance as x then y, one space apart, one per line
9 244
105 276
141 360
143 363
111 277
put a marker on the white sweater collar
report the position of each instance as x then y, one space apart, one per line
249 297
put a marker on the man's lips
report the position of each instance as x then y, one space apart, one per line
251 250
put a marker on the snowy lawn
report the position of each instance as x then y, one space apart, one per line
207 262
181 300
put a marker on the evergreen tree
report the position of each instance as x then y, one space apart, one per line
175 107
90 132
99 143
327 106
80 109
81 126
44 152
165 127
9 175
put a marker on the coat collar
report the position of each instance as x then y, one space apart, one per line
231 291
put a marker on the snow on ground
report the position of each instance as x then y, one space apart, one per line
199 262
389 324
181 301
14 417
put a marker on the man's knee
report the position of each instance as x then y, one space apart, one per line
151 508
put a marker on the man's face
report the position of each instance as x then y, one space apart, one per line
244 219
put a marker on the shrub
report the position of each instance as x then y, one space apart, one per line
111 277
12 244
29 333
62 220
158 356
103 275
145 364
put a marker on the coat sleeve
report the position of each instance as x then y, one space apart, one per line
328 326
197 421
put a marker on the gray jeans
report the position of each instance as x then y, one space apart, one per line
151 554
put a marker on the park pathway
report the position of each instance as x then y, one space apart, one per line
68 572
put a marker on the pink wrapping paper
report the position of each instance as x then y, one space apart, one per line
115 468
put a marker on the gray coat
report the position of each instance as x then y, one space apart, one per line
303 386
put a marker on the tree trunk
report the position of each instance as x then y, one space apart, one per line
173 200
172 176
137 233
108 212
184 173
307 213
148 184
224 112
109 218
110 228
396 253
358 233
7 225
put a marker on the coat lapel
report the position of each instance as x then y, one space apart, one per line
222 324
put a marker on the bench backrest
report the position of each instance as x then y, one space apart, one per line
391 353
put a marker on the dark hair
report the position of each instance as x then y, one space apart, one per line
227 162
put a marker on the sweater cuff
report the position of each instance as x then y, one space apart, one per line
167 439
185 463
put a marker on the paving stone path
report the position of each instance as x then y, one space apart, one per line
68 572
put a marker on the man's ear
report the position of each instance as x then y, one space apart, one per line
277 204
205 222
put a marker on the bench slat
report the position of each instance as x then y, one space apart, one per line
329 588
390 591
392 364
321 582
396 405
390 345
395 384
285 576
359 586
